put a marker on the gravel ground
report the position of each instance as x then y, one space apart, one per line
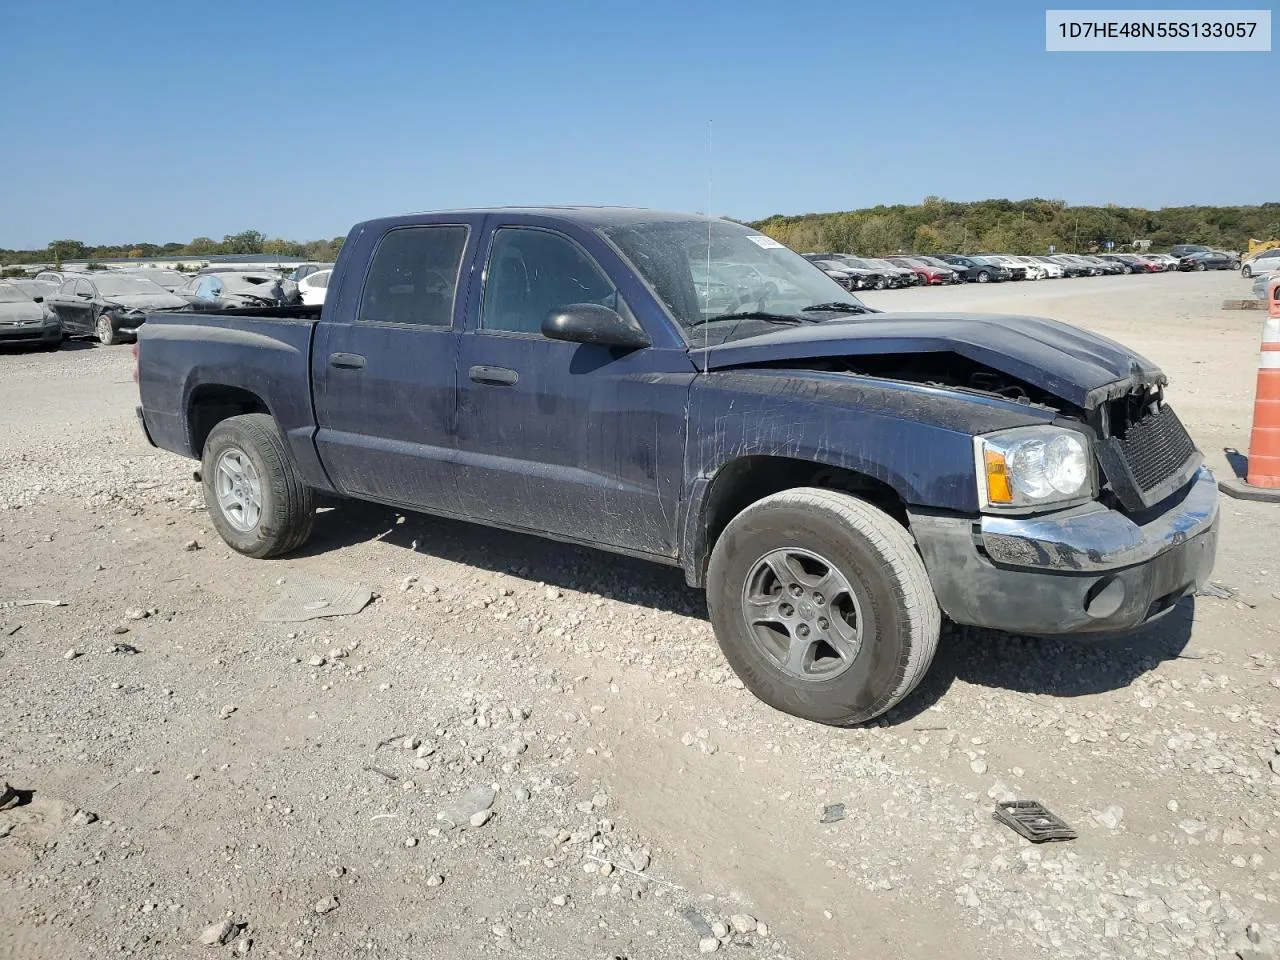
526 749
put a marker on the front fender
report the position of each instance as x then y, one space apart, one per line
916 439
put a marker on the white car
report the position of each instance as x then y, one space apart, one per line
313 287
1030 270
1045 271
1267 261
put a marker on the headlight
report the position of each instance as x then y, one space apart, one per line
1033 466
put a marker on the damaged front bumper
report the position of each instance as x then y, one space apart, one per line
1089 569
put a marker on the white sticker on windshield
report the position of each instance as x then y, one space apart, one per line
760 240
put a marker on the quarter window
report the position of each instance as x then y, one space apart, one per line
534 272
414 276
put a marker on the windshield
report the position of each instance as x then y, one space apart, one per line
745 271
10 294
125 286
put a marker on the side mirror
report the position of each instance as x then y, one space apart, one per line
592 323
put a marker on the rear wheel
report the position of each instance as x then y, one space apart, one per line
253 490
106 330
822 605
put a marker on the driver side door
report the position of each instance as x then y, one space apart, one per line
576 440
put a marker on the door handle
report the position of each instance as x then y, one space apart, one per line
499 376
346 361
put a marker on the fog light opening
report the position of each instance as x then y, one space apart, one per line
1104 598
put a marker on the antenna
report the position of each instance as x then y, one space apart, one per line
706 333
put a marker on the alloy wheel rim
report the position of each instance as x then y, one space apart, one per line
803 614
238 489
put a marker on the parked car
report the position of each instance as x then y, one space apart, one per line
1076 266
879 274
1261 281
1106 266
957 273
836 486
1068 268
976 269
1208 260
1128 263
25 322
109 305
1018 269
1048 270
1264 262
239 288
1181 250
171 280
928 273
847 275
1166 260
37 290
55 276
312 287
306 269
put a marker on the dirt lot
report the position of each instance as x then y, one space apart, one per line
188 764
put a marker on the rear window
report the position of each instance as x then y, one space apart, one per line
414 276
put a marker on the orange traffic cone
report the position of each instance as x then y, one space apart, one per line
1263 482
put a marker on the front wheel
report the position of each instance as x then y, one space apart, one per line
1200 266
106 331
984 277
253 490
822 605
1246 271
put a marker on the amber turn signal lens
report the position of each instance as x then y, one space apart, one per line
999 490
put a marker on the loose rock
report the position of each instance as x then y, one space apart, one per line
216 934
327 905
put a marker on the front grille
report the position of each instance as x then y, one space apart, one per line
1148 453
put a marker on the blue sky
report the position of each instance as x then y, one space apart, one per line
131 122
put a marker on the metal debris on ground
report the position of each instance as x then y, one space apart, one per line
10 604
1223 592
1030 819
8 796
124 648
833 813
312 599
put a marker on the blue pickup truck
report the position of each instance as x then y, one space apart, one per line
690 391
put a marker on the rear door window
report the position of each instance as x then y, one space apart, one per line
413 278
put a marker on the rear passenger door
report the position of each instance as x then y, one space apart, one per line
384 365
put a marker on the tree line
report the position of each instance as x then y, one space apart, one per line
1018 226
247 241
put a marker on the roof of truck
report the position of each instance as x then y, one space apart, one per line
596 216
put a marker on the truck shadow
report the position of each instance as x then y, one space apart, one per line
1057 667
1053 666
568 567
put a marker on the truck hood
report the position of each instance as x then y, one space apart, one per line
1080 367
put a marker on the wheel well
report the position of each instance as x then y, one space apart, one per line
213 403
742 482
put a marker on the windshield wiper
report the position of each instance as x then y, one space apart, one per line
753 315
841 307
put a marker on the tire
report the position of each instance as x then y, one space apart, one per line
880 283
106 331
285 510
1246 271
1200 267
885 590
983 276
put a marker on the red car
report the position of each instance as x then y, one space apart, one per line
927 272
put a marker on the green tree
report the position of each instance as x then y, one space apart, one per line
202 246
247 241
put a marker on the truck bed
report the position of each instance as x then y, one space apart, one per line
265 352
